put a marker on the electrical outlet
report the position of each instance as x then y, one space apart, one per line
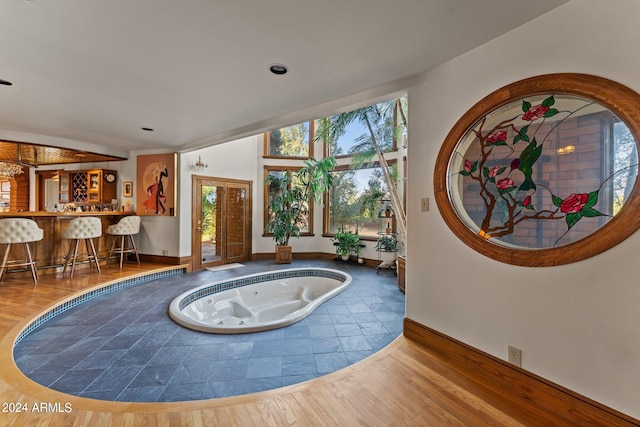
165 252
515 356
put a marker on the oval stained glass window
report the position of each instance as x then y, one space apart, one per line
544 171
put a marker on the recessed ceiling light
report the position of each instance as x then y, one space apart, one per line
5 82
148 129
278 69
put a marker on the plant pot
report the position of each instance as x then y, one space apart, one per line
283 254
345 257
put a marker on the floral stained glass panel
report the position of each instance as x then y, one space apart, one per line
543 171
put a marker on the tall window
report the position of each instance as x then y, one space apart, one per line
354 200
290 142
272 192
358 189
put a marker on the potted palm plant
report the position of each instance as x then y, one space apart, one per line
289 209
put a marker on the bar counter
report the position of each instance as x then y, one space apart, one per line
50 251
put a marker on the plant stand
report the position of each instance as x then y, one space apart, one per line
353 255
391 264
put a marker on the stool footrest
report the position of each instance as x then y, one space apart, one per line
20 263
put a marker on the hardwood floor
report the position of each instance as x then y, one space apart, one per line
404 384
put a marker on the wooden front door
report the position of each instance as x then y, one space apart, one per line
221 223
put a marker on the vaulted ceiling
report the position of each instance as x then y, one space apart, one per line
96 72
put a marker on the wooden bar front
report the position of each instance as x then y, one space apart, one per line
51 250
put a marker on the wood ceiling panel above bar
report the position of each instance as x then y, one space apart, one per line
41 155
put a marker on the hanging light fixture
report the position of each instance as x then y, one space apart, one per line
9 170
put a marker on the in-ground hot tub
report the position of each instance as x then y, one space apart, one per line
257 302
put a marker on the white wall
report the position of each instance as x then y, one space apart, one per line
578 324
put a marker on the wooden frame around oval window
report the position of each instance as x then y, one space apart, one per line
618 98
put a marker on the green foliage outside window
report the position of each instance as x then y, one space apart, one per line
354 199
209 207
292 141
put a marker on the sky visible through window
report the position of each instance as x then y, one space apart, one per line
352 131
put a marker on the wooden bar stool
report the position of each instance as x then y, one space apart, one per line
127 226
19 230
83 228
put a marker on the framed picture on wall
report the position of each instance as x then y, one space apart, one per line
127 189
156 184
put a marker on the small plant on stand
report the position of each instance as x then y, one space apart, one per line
387 244
346 242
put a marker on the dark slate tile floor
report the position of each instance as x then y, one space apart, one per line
123 346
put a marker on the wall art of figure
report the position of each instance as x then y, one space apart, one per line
156 184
